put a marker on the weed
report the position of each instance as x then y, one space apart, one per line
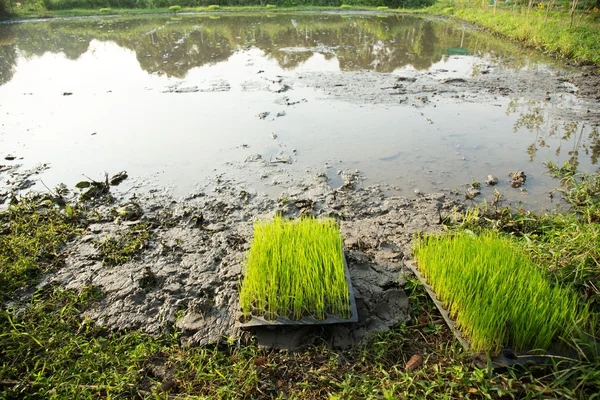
119 250
175 8
346 6
271 6
214 7
34 231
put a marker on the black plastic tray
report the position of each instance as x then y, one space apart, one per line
330 319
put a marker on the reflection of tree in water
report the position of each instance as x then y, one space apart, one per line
175 53
173 48
8 54
8 61
570 137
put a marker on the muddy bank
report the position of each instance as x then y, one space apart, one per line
185 273
570 94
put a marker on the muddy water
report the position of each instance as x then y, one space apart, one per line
421 105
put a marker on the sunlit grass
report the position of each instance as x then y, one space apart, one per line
498 297
295 268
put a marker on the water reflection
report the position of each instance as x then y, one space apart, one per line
567 138
173 47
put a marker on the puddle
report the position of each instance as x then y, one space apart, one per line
422 105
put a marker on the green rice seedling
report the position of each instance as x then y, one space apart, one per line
271 6
496 294
295 268
214 7
175 8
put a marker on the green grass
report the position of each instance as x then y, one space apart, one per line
175 8
271 6
33 234
497 295
550 32
346 6
214 7
105 10
118 250
295 267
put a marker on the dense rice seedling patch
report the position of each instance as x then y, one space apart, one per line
295 268
497 295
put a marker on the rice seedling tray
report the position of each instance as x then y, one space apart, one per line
504 359
306 320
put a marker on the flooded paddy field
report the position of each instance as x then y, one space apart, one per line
416 105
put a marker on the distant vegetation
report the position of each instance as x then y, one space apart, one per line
51 5
570 29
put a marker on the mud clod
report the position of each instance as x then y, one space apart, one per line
518 179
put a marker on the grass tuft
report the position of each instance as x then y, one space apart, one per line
297 267
175 8
214 7
345 6
119 250
271 6
498 297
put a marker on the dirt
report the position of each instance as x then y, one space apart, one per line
489 83
16 179
187 276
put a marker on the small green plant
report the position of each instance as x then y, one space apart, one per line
119 250
214 7
175 8
295 267
271 6
345 6
496 294
383 8
105 10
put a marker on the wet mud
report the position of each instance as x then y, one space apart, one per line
187 274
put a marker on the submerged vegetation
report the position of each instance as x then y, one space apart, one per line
295 267
498 297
